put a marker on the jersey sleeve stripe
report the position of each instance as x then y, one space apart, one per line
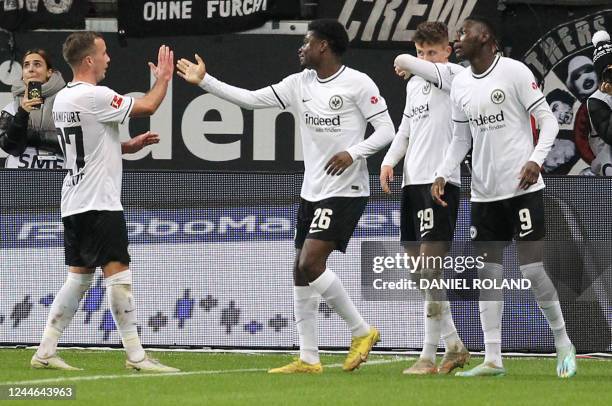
439 84
278 98
128 110
374 115
535 103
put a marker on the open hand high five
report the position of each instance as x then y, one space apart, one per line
191 72
165 64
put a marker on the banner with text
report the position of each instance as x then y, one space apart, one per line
33 14
141 18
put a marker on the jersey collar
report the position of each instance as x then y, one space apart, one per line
73 84
332 77
489 70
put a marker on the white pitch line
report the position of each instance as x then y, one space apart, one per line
186 373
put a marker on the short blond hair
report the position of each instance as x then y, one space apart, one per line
78 45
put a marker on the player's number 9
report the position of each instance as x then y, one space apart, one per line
525 218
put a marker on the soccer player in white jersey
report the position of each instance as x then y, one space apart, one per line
333 104
422 140
87 118
491 106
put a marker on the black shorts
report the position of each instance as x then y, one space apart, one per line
95 238
520 217
332 219
422 219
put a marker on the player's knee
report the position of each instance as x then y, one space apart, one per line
310 267
433 310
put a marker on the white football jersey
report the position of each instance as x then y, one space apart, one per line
497 105
428 110
333 115
88 118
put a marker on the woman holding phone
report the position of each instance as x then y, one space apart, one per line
27 131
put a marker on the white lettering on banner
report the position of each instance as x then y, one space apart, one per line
199 227
276 225
561 42
452 12
162 228
264 124
173 10
155 227
227 222
234 8
194 126
44 230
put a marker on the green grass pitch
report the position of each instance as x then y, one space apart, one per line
231 378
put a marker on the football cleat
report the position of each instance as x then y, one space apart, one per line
483 370
566 362
360 349
298 367
421 367
53 362
452 360
149 365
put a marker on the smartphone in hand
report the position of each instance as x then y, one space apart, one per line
35 92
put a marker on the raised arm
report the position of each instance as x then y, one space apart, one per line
146 105
195 73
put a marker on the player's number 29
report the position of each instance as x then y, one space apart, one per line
426 218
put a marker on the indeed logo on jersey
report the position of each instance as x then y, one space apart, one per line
489 122
322 124
418 112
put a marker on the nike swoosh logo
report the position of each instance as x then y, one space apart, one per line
522 234
306 100
314 231
425 233
128 311
43 362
